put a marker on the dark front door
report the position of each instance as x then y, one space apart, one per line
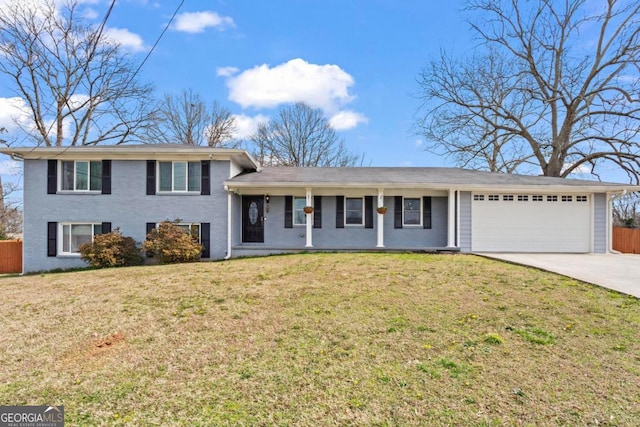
253 219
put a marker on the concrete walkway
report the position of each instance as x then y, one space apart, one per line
620 272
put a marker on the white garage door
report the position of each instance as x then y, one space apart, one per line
530 223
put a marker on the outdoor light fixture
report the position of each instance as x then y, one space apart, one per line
266 199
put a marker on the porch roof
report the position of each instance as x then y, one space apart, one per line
412 177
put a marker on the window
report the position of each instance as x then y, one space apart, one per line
507 198
74 235
494 197
81 176
523 198
412 214
180 176
192 229
552 198
567 198
537 198
478 197
581 198
354 211
299 217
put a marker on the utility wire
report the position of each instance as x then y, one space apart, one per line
166 27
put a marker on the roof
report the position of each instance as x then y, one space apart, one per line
411 177
134 152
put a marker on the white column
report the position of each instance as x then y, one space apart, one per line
451 224
229 223
309 202
380 243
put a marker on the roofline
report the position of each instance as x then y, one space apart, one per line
133 152
609 187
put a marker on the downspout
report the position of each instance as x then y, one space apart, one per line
611 197
17 158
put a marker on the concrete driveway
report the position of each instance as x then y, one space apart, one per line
620 272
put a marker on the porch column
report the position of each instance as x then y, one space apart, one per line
451 223
309 202
380 243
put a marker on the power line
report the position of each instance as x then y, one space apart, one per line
166 27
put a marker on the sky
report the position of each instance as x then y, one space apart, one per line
356 60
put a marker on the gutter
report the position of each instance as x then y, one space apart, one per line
229 225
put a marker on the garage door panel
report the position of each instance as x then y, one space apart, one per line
528 226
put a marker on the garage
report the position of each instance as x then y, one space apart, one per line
531 223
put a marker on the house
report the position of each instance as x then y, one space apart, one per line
238 209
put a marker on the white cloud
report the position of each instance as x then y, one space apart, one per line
198 22
226 71
419 143
347 120
13 113
9 167
126 39
90 13
247 125
321 86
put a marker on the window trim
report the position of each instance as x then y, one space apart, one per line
196 164
60 177
61 225
420 212
362 212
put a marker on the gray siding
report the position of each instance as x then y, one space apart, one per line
350 237
599 223
127 207
465 221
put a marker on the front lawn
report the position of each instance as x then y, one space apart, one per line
321 340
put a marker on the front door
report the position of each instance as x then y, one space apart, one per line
253 219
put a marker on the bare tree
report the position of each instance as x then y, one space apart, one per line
626 211
10 212
78 85
300 136
186 119
557 88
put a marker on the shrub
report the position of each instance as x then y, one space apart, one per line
111 250
170 244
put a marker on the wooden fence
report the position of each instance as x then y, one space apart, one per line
626 240
10 256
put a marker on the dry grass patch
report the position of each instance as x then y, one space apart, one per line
323 339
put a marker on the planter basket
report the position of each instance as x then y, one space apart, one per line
308 209
382 210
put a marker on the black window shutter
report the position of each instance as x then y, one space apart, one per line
52 238
205 239
397 212
288 211
151 178
52 178
426 212
106 177
339 211
205 184
106 227
368 211
317 211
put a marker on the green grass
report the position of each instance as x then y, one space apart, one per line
322 339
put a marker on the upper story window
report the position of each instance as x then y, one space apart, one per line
179 176
81 175
412 211
299 217
354 211
74 235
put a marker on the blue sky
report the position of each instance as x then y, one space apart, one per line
356 60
